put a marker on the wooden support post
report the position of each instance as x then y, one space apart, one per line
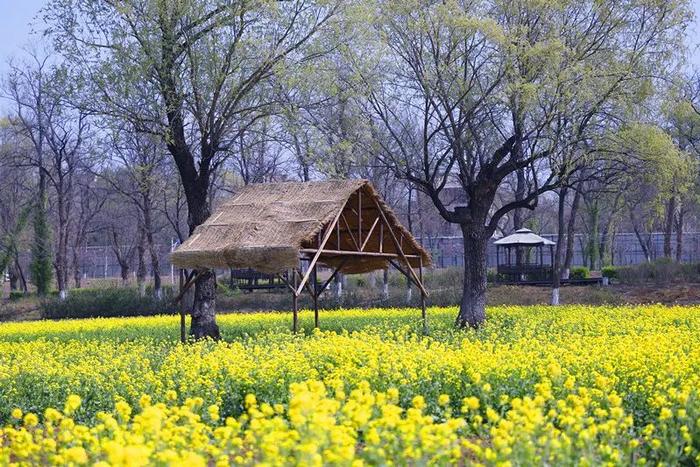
295 304
183 331
184 286
369 234
315 294
424 314
381 238
359 216
337 233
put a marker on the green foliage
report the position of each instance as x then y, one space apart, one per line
611 272
16 295
656 169
223 290
8 245
40 267
579 272
107 302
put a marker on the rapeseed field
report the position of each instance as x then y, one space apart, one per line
566 385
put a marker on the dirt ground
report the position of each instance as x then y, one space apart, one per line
674 294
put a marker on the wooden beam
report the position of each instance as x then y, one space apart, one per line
330 279
326 236
369 254
308 285
286 282
402 271
314 277
295 304
357 246
183 326
381 237
369 234
399 249
359 216
424 314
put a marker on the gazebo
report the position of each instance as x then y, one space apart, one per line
289 229
520 258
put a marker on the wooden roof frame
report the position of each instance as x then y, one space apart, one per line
343 239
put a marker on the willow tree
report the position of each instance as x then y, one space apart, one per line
469 94
658 170
195 72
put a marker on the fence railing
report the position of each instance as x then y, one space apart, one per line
99 262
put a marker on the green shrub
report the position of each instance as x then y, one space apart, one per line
611 272
223 290
491 275
16 295
107 302
661 271
579 272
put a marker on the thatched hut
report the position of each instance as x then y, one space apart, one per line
296 226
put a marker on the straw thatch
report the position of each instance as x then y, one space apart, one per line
265 225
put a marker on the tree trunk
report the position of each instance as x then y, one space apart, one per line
23 280
153 253
679 234
204 307
141 268
472 308
571 231
606 242
14 276
642 243
61 261
668 227
519 195
40 269
593 241
409 213
556 268
76 267
124 272
61 273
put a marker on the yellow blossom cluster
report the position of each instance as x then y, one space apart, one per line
364 427
563 385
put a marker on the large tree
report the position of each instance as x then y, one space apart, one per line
475 93
197 73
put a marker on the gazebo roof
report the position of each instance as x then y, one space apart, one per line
523 237
267 227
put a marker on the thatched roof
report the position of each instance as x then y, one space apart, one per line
265 226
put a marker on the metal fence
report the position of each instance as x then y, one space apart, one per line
625 249
100 262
